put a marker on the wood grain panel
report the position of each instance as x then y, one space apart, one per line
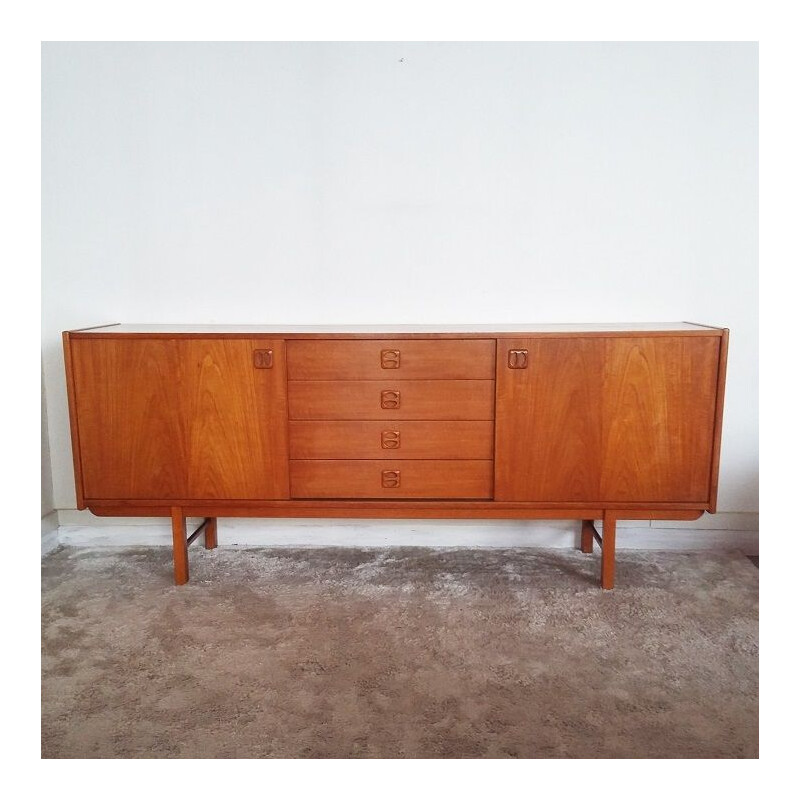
417 479
549 424
181 418
362 360
659 400
413 440
77 465
715 453
343 400
465 508
607 420
130 418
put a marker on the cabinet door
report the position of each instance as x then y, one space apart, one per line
181 419
549 420
606 419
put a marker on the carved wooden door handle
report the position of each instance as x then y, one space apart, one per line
517 359
390 359
390 478
262 359
390 440
390 398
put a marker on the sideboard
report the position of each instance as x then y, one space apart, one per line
596 422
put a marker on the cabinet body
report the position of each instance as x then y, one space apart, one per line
548 421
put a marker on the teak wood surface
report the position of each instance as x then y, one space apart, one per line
391 438
580 422
382 509
599 420
181 418
722 371
416 479
428 399
362 360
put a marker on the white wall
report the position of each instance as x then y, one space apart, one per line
48 505
49 515
393 183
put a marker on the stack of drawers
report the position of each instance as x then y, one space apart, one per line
391 419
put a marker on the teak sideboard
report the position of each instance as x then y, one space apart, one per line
585 422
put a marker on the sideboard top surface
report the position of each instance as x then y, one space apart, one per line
401 331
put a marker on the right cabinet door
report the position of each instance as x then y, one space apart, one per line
616 419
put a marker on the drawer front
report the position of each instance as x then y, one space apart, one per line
391 400
379 359
392 439
375 479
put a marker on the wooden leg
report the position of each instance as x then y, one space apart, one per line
587 536
211 533
180 546
608 548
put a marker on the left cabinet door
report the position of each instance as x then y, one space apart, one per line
180 418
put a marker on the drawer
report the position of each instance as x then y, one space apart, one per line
388 399
376 359
375 479
394 439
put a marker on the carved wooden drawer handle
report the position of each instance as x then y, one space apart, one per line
390 359
390 478
390 398
517 359
262 359
390 440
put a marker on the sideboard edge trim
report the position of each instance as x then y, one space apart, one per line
716 447
77 464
